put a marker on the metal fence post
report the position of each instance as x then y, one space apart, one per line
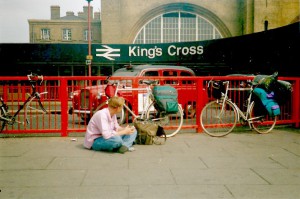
64 106
201 97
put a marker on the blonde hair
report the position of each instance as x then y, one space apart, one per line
115 102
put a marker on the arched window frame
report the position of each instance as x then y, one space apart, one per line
209 30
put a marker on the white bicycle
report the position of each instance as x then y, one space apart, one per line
171 123
219 117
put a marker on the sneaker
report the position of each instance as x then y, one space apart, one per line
131 149
122 149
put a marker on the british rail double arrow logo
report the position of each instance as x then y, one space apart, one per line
108 52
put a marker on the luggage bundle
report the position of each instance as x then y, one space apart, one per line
217 88
166 98
271 92
148 132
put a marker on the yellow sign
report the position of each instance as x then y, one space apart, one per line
90 57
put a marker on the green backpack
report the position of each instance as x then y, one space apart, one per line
166 98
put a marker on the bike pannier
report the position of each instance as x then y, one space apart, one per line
217 89
147 131
166 98
268 101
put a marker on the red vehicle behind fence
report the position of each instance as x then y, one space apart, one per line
86 100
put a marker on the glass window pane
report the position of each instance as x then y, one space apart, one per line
86 33
153 31
187 27
151 73
67 34
45 34
170 27
206 30
140 38
170 73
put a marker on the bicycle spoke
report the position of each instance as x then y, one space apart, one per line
171 123
261 123
217 121
34 112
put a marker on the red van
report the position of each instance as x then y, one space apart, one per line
86 100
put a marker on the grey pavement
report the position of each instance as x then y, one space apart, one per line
190 165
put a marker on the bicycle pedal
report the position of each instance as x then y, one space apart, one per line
243 122
164 120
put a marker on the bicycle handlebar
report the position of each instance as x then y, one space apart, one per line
34 77
226 82
117 83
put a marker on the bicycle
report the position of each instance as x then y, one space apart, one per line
219 117
33 106
171 123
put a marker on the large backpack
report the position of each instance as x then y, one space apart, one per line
266 82
166 98
268 101
148 131
282 89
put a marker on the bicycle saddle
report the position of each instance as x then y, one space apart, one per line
149 82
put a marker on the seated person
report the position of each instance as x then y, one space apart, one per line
105 134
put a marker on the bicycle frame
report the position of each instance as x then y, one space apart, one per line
146 103
240 113
148 111
146 99
11 119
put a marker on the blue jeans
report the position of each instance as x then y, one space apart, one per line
101 144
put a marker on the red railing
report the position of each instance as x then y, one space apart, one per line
58 101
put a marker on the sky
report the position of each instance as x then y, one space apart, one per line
14 15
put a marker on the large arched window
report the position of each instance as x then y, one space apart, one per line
177 27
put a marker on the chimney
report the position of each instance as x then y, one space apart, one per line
70 13
81 14
55 12
85 11
97 16
91 12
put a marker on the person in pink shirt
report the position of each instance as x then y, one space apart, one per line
105 134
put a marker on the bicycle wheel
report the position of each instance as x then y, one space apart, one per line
120 116
171 123
2 125
34 110
261 122
217 121
2 121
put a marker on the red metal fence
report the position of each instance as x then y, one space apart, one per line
58 102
